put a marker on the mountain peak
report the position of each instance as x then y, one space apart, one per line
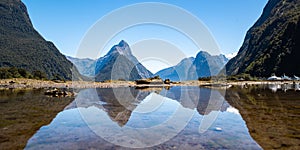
123 43
203 53
191 68
120 63
122 48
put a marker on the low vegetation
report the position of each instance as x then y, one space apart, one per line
13 72
204 78
239 77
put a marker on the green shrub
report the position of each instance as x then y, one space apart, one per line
241 77
39 75
204 79
13 72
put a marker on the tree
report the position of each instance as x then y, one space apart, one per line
39 75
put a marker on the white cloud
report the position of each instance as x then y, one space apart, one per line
233 110
231 55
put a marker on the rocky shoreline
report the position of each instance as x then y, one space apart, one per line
20 83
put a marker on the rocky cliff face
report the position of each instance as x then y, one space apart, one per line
119 63
21 46
272 44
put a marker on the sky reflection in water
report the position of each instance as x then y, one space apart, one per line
146 118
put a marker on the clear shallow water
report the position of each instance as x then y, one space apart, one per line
124 118
245 117
23 112
272 114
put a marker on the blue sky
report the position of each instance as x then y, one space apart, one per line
65 22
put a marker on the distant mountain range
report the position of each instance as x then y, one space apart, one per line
85 66
178 72
119 63
21 46
272 44
204 65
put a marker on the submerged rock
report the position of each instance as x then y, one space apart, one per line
58 93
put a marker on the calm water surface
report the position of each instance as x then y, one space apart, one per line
176 118
23 112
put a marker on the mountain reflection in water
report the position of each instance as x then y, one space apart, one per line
179 118
272 118
120 102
